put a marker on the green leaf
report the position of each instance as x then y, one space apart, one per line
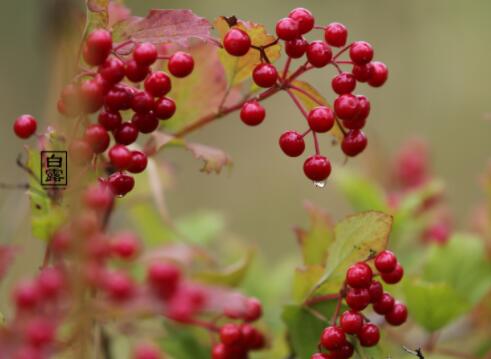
201 227
149 224
304 279
97 15
180 343
433 305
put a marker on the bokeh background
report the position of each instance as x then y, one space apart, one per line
439 88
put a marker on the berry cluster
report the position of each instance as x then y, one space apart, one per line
350 111
360 291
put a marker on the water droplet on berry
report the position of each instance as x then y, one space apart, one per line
320 184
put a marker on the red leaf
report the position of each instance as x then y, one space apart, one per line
117 12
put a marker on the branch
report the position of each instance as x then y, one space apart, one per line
416 352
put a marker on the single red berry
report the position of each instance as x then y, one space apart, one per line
220 351
142 102
304 18
385 261
376 291
265 75
70 97
361 52
28 352
135 72
138 162
91 96
362 72
98 197
333 338
26 295
25 126
292 143
164 278
336 34
121 184
120 156
126 134
359 275
230 334
145 54
354 143
252 113
364 108
384 304
145 122
237 42
97 47
112 70
351 322
254 310
110 120
103 84
321 119
319 53
97 137
345 352
358 298
378 74
398 314
125 245
146 351
80 152
118 99
393 277
287 29
181 64
118 285
354 124
343 83
51 282
317 168
296 48
369 335
158 84
40 332
165 108
346 106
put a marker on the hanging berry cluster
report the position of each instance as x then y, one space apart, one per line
350 111
359 291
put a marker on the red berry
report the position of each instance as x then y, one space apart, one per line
138 162
304 18
376 291
361 52
25 126
98 197
145 54
265 75
354 124
97 137
354 143
343 83
351 322
237 42
359 275
252 113
220 351
91 96
320 356
51 282
158 84
165 108
103 84
287 29
317 168
118 99
398 314
319 53
296 48
125 245
385 261
145 122
251 337
142 102
121 184
110 120
118 285
81 152
112 70
120 156
321 119
230 334
40 332
71 100
358 298
362 72
378 74
345 352
364 108
146 351
333 338
384 304
292 143
97 47
393 277
26 295
135 72
346 106
253 311
369 335
126 134
164 278
181 64
336 34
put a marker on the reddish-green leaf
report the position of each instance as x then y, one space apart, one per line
214 159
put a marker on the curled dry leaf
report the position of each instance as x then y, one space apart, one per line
214 158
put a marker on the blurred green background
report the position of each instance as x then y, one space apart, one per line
438 88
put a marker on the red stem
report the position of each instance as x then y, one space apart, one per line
297 103
287 67
316 143
302 91
340 52
337 310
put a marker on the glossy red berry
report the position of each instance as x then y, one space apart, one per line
304 18
358 298
319 53
345 352
164 278
80 152
254 310
126 134
120 156
121 184
336 34
361 52
292 143
359 275
98 197
97 137
26 295
97 47
146 351
317 168
296 48
231 334
145 54
385 261
265 75
393 277
343 83
25 126
351 322
181 64
91 96
397 315
125 245
40 332
287 29
220 351
369 335
346 106
112 70
118 99
384 304
51 282
378 74
364 110
362 72
145 122
333 338
118 285
252 113
165 108
110 120
237 42
138 162
135 72
321 119
376 291
158 84
354 143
